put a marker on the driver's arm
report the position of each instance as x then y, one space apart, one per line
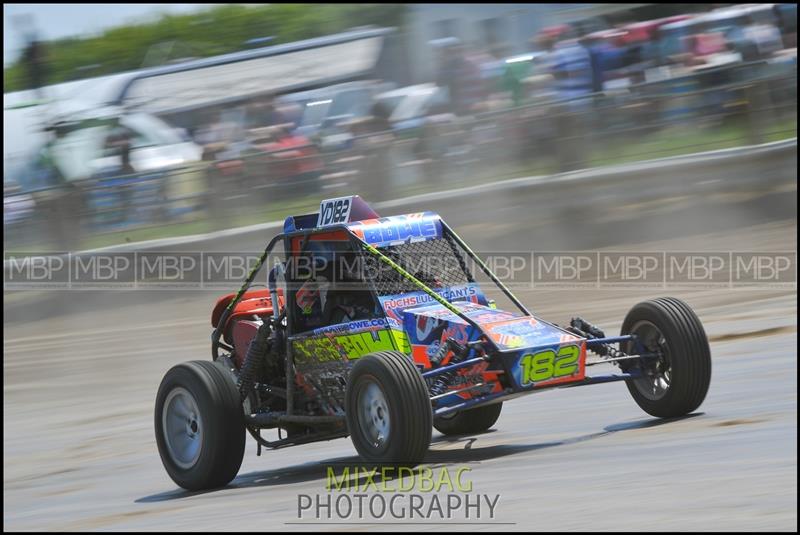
344 306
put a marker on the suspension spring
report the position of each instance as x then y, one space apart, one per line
256 352
442 381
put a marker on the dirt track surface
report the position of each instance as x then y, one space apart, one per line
80 454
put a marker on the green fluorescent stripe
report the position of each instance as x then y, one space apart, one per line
247 282
489 272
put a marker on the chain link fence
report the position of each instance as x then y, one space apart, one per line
690 114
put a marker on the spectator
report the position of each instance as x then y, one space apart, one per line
294 159
46 173
593 45
478 65
447 68
214 132
787 23
635 61
705 43
118 145
651 49
460 76
597 50
765 37
571 68
513 72
541 88
373 143
544 87
262 113
292 113
490 68
432 144
58 200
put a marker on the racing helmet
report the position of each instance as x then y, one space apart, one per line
316 259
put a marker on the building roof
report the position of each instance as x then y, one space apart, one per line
241 75
302 65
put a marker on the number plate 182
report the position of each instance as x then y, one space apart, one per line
552 365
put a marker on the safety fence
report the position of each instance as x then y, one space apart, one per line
688 114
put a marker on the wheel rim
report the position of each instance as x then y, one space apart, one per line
656 378
182 427
373 414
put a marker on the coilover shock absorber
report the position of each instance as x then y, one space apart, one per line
253 360
442 381
583 328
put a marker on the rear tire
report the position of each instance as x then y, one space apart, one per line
388 410
470 421
199 425
676 384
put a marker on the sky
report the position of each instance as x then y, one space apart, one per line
63 20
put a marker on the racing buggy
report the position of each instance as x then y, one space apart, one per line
376 328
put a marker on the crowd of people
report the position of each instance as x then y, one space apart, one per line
564 63
264 148
566 67
568 62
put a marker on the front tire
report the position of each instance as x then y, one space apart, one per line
676 383
199 425
388 410
470 421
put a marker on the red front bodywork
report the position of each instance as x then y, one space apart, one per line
253 303
240 327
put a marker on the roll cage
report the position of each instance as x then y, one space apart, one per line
363 247
296 243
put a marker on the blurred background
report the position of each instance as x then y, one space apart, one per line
172 120
126 123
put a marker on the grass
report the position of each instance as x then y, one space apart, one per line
681 140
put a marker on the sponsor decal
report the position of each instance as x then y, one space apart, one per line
552 365
398 229
427 328
396 303
329 346
357 325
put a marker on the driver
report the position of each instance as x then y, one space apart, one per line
351 299
313 266
334 291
